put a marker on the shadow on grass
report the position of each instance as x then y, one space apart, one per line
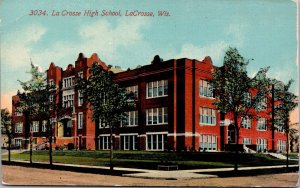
70 168
254 172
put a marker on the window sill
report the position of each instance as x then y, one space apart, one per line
201 96
208 150
205 124
129 149
156 97
157 124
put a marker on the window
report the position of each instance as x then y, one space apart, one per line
68 100
279 129
246 122
247 98
19 127
134 90
18 113
103 97
131 119
104 142
204 89
156 141
247 141
52 120
261 145
262 104
102 124
281 146
34 140
80 98
80 120
68 82
129 142
18 142
207 116
208 142
279 126
51 82
156 116
157 89
51 98
80 74
44 125
34 127
261 124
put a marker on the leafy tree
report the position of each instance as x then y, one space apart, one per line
237 93
107 100
35 102
6 128
287 103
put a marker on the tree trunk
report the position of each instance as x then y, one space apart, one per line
50 143
287 138
111 148
30 149
9 144
273 119
236 157
287 149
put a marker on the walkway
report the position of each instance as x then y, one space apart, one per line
159 174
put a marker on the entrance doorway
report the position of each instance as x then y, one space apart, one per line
66 127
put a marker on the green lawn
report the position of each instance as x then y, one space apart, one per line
150 160
293 155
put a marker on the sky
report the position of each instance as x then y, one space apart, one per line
263 30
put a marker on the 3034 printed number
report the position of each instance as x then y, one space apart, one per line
38 13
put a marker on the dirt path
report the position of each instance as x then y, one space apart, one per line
15 175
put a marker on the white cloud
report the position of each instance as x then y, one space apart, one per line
214 50
237 32
105 38
17 46
99 37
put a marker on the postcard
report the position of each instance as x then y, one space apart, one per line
150 93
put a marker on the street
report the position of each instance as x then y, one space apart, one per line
16 175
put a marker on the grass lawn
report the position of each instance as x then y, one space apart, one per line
292 155
150 160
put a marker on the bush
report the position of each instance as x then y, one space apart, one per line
70 146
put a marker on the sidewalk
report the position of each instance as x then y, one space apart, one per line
152 174
193 174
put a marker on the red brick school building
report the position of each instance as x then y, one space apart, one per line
174 111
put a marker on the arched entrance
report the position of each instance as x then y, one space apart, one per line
65 127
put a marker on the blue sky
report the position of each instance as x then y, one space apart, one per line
264 30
